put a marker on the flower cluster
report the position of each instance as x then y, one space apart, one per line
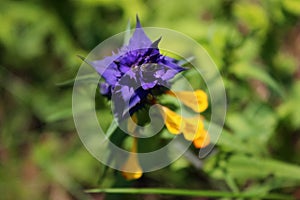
134 77
134 73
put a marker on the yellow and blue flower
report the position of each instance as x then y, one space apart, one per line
134 77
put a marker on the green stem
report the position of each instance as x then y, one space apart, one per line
232 185
185 192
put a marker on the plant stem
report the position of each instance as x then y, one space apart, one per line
185 192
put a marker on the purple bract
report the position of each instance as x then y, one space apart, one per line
134 73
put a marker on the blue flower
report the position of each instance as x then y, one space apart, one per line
134 73
133 77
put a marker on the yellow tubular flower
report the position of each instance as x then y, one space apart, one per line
196 100
172 120
202 141
193 128
131 169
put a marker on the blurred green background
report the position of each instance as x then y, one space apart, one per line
256 45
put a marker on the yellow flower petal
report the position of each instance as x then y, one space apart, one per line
196 100
192 128
132 165
202 141
172 120
132 169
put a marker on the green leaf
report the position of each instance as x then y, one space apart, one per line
127 34
293 6
186 61
112 128
253 15
87 78
249 126
246 71
245 167
289 110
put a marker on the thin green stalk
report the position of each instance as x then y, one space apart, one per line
232 185
185 192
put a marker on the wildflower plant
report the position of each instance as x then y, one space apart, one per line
144 84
